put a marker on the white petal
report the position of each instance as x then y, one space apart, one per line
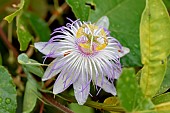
56 66
105 85
81 94
60 85
82 85
47 49
124 51
103 22
49 73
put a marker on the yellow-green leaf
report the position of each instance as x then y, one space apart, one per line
154 42
24 37
10 17
130 94
112 101
163 98
163 108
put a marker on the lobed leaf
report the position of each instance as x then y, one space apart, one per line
130 94
8 102
154 41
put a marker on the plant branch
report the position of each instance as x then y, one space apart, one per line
54 103
41 108
7 43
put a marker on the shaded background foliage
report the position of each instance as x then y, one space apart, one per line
27 21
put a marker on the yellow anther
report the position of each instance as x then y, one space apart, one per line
85 45
101 46
91 38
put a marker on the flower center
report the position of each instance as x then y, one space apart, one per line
91 38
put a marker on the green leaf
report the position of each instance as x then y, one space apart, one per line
161 98
24 37
124 17
30 97
165 84
130 94
39 26
112 101
80 9
31 65
167 4
154 40
80 109
8 102
10 17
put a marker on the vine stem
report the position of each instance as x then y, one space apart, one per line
54 103
42 107
7 43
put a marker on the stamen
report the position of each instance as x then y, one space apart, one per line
96 38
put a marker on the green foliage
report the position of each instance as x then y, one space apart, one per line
39 26
30 65
80 9
130 94
80 109
8 102
10 17
24 37
124 16
165 84
24 19
146 34
154 41
161 98
30 94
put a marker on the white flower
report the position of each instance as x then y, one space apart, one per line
83 52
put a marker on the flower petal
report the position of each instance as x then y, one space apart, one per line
57 65
105 85
103 22
46 48
81 94
61 84
50 71
124 51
